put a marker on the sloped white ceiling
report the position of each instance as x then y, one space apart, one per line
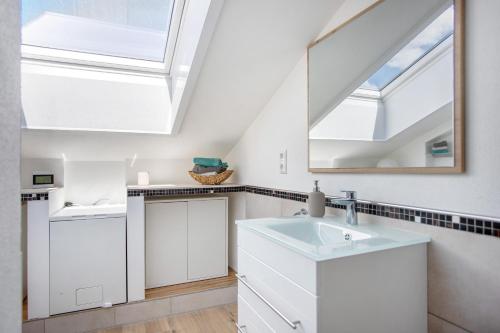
254 47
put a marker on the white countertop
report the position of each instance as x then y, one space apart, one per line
85 212
322 239
39 190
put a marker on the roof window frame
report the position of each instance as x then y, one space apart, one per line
61 56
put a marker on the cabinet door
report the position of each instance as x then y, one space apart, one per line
166 243
87 264
207 245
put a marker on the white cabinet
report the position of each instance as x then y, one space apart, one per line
207 247
186 240
280 290
87 263
166 239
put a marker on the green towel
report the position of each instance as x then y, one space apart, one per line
440 151
209 162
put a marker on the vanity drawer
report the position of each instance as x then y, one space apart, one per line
293 301
249 321
276 319
297 268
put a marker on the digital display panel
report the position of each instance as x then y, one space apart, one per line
43 179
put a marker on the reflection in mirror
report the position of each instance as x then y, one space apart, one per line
381 89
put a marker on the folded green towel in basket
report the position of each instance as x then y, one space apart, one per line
209 162
204 170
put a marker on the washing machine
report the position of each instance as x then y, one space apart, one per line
87 257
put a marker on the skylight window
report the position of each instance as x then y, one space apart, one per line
435 33
129 29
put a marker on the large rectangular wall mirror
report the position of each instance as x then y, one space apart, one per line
386 91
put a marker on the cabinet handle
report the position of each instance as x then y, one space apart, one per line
292 324
241 328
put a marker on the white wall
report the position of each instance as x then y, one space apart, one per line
161 171
71 97
85 182
10 151
282 124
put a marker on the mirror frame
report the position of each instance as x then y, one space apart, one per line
458 100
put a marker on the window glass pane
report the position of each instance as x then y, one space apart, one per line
436 32
135 29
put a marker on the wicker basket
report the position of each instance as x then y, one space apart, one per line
213 179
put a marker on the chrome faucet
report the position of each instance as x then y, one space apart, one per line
302 211
350 202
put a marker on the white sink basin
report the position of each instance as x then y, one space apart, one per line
328 238
318 233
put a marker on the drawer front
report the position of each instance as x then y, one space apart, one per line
280 291
276 321
249 321
264 289
299 269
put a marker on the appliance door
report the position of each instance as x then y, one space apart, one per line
87 263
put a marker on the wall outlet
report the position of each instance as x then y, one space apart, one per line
283 162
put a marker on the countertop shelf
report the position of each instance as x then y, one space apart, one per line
178 186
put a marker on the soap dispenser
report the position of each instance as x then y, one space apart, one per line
316 202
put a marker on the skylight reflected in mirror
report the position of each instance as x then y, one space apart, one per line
132 29
435 33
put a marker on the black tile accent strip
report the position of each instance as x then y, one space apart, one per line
296 196
478 225
184 191
34 196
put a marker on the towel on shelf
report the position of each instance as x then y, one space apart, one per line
209 162
210 173
440 144
203 170
440 148
440 151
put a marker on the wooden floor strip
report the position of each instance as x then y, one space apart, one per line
192 287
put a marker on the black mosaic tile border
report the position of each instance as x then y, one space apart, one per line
456 221
34 196
296 196
184 191
218 189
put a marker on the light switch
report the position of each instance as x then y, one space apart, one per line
283 162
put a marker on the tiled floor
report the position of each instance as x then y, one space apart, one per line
219 319
175 290
170 304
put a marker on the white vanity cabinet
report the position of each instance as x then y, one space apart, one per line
186 240
281 290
